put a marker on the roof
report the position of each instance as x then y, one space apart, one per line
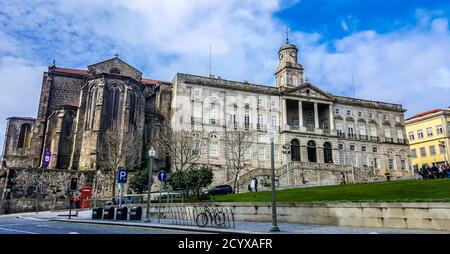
85 73
22 118
71 71
426 113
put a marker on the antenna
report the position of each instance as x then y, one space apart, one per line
210 60
353 85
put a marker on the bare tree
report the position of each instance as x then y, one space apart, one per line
116 151
239 144
183 147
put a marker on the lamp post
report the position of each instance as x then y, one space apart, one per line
271 134
96 187
151 155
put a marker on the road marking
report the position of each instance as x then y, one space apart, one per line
18 231
31 218
73 233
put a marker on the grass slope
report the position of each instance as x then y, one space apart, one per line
405 191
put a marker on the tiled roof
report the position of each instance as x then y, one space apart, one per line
85 72
71 71
425 113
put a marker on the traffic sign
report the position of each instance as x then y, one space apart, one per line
122 175
162 176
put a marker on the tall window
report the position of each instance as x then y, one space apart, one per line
432 150
24 136
423 153
373 131
260 122
391 164
400 134
247 117
414 153
439 129
327 153
213 146
113 106
132 113
274 121
387 133
411 135
419 134
261 152
429 132
214 114
362 130
92 103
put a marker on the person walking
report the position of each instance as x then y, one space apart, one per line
256 184
343 178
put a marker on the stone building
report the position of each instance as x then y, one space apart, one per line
77 106
327 135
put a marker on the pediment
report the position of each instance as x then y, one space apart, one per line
308 90
116 66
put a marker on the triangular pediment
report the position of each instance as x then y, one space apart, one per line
117 66
308 90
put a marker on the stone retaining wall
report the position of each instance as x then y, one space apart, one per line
432 216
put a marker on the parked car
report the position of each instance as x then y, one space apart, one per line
220 190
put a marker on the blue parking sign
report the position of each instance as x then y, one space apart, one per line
122 175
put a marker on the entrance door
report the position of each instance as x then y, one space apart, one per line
295 150
312 153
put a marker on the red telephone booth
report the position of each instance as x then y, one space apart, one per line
85 197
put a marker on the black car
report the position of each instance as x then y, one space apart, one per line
220 190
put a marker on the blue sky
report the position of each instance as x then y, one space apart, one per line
398 51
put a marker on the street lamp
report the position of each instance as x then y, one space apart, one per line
271 134
443 149
96 187
151 155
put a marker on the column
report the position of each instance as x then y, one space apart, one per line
316 115
284 112
331 117
300 114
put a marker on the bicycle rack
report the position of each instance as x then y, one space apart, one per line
216 217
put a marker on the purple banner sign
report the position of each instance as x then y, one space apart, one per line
47 156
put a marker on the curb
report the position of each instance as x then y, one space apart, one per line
160 226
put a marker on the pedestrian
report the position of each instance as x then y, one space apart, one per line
342 178
253 184
249 187
256 184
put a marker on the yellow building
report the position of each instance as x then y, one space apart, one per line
429 137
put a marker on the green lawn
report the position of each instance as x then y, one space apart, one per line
408 190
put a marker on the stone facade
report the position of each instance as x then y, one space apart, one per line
332 132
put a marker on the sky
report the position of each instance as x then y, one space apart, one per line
397 52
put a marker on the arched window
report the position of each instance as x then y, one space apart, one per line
90 114
113 106
295 150
312 153
114 71
24 136
327 153
132 113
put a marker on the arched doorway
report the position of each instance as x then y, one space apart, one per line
295 150
312 154
327 153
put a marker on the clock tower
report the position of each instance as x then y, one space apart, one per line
289 73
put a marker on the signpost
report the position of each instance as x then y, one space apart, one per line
122 177
162 177
72 188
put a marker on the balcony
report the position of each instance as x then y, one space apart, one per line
401 141
261 127
340 134
363 137
389 140
196 120
352 136
374 138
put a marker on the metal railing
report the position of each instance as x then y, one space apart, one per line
215 217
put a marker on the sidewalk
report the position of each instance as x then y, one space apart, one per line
241 227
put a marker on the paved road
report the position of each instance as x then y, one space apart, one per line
12 225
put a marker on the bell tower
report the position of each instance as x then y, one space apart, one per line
289 73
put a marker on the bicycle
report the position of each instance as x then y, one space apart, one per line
203 218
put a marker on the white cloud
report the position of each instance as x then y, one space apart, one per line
410 66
